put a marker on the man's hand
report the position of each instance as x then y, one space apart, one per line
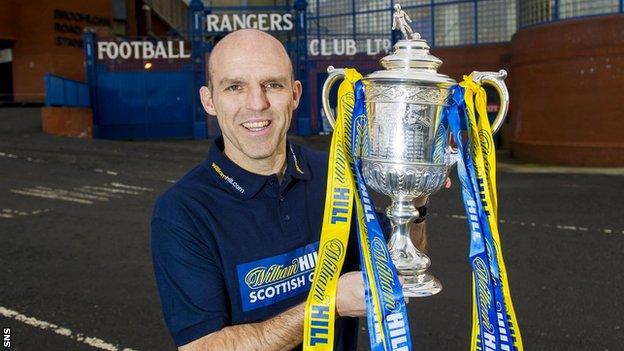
350 295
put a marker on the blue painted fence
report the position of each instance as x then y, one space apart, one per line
61 91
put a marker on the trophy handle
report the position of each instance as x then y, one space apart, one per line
334 75
497 80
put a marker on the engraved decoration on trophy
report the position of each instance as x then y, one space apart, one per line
409 156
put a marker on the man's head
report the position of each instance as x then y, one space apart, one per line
253 94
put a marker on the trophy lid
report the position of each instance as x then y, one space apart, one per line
410 59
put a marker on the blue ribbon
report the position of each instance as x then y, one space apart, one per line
494 327
394 317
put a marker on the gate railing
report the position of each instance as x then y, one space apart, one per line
60 91
440 22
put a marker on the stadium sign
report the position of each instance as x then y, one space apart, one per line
347 47
273 22
141 50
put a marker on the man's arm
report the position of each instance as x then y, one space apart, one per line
418 231
284 331
418 234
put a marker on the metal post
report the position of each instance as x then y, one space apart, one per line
89 48
433 43
318 21
301 61
476 22
198 66
354 23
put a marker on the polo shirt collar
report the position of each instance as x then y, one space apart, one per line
297 166
240 182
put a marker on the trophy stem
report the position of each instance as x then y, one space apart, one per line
411 264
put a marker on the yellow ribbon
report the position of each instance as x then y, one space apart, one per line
320 308
484 158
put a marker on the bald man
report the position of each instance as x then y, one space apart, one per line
234 241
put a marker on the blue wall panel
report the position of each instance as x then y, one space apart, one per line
144 104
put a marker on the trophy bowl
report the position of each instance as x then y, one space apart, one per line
407 154
406 158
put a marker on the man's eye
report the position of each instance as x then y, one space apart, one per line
233 87
274 85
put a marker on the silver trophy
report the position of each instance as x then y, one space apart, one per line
408 154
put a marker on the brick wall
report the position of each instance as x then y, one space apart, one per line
45 43
567 84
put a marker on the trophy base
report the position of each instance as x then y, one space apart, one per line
421 285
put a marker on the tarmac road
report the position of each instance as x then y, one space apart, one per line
76 266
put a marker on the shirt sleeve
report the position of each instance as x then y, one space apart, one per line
191 287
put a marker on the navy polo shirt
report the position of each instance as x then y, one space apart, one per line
232 247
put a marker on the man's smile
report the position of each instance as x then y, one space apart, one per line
256 126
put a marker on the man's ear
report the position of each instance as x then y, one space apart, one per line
206 99
297 91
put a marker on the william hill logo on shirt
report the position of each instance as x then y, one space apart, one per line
273 279
227 178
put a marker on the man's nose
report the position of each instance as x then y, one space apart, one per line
257 99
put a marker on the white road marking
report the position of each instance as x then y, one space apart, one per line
133 187
73 193
49 195
86 194
547 169
114 190
87 189
37 323
29 159
99 170
533 224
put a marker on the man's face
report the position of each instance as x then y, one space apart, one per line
253 96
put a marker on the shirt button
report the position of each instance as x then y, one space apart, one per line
287 218
281 198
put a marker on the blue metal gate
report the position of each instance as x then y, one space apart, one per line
141 98
138 98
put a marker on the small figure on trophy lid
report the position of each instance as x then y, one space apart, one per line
402 20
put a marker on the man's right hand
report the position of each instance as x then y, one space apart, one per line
350 295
